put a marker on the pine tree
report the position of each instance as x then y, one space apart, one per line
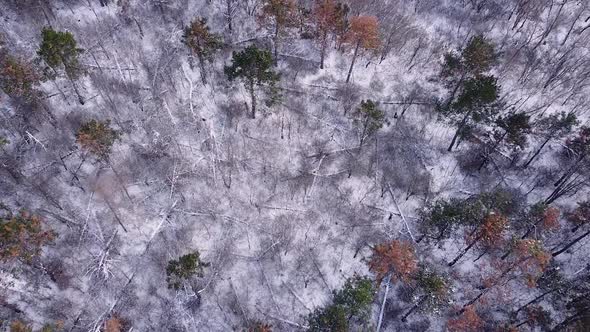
19 79
59 49
97 137
356 296
22 237
441 218
369 118
201 42
432 290
184 268
464 75
350 305
515 127
479 56
475 104
254 67
19 326
362 34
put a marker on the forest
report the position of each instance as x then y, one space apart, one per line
294 165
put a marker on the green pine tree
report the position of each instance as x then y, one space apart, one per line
97 137
369 118
59 49
254 67
351 304
477 103
184 268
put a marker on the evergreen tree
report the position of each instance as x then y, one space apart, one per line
479 56
59 49
97 137
356 296
333 318
464 75
184 268
201 42
19 79
440 219
22 237
369 118
514 130
254 67
432 291
475 104
516 127
350 305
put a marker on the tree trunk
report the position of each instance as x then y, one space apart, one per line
356 50
461 125
569 172
252 98
323 48
202 67
276 42
229 17
382 311
486 158
537 152
569 245
482 293
534 300
464 251
120 181
454 92
414 307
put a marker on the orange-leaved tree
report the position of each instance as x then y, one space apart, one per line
468 321
329 17
283 13
489 233
362 34
529 261
396 257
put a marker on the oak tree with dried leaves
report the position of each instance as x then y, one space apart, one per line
363 34
396 257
